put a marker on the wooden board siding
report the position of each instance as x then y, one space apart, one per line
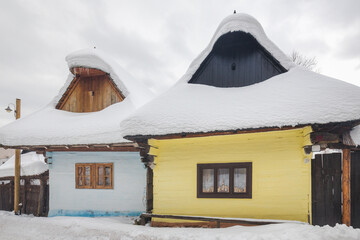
346 195
281 177
90 94
34 194
355 189
237 60
125 198
326 189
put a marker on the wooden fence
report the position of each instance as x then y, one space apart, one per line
34 194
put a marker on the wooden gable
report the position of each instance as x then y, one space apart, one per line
91 90
236 60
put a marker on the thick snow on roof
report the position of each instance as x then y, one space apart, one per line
293 98
50 126
244 23
31 164
94 58
296 97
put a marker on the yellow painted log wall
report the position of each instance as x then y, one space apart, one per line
281 178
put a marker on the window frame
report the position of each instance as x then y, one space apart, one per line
104 165
231 167
94 175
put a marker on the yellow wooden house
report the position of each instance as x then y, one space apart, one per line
233 141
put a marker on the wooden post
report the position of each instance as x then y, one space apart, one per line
17 166
11 191
1 196
149 190
346 187
41 197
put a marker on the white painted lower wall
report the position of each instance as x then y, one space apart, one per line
127 197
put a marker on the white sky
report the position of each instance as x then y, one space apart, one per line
155 41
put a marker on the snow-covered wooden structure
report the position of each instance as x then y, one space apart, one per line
235 137
5 154
34 190
93 170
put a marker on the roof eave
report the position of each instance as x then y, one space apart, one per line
76 147
331 126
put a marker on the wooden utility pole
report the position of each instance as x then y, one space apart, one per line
346 187
17 166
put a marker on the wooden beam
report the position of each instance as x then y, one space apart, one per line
346 187
93 149
86 72
324 137
116 89
149 190
142 138
338 127
68 92
118 147
41 203
17 167
44 175
218 220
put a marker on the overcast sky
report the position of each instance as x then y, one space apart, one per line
155 41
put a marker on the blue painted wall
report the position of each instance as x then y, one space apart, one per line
127 197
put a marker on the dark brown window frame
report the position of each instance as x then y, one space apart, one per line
94 176
231 166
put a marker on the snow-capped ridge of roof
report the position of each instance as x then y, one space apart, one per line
50 126
290 99
95 58
89 58
244 23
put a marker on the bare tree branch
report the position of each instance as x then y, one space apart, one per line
301 60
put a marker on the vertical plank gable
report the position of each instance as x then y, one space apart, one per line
90 94
236 60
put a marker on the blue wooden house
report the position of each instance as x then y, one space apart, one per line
93 170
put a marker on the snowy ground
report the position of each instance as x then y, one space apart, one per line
29 227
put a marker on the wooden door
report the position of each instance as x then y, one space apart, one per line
355 189
326 189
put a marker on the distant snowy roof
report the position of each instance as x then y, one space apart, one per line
31 164
51 126
296 97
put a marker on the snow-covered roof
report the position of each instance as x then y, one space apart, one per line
94 58
31 164
293 98
50 126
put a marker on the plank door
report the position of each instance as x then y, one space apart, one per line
326 189
355 189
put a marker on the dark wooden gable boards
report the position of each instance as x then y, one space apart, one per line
236 60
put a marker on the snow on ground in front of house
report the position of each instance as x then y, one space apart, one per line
29 227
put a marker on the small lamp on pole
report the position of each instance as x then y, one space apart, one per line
17 108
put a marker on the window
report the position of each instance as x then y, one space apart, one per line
224 180
94 175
